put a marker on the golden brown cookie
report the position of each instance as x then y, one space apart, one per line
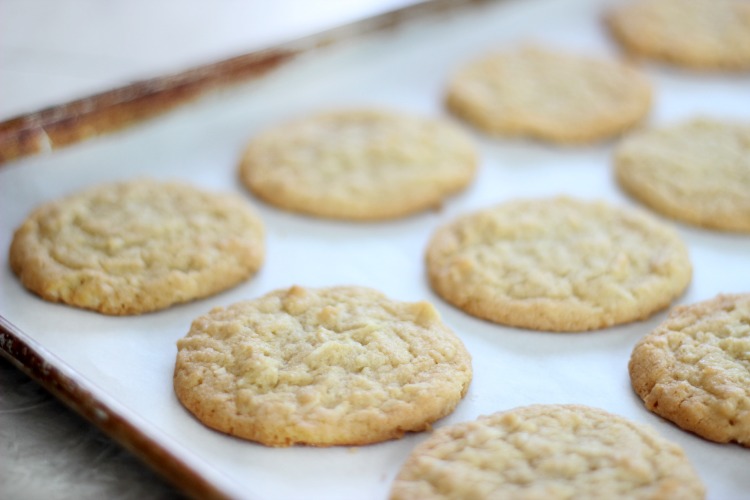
697 172
329 366
694 369
548 451
558 264
134 247
359 164
549 95
702 34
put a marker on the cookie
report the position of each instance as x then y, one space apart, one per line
694 369
548 95
699 34
558 264
330 366
696 172
139 246
359 164
548 451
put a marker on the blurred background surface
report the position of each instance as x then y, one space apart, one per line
53 51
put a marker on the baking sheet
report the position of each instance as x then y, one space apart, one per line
127 362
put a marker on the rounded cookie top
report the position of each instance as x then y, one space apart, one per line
694 369
549 95
547 451
359 164
330 366
697 172
701 34
139 246
558 264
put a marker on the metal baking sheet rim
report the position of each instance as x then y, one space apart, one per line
83 397
59 126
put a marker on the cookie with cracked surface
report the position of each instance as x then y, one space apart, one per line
322 367
699 34
139 246
549 95
548 451
694 369
558 264
696 172
359 164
